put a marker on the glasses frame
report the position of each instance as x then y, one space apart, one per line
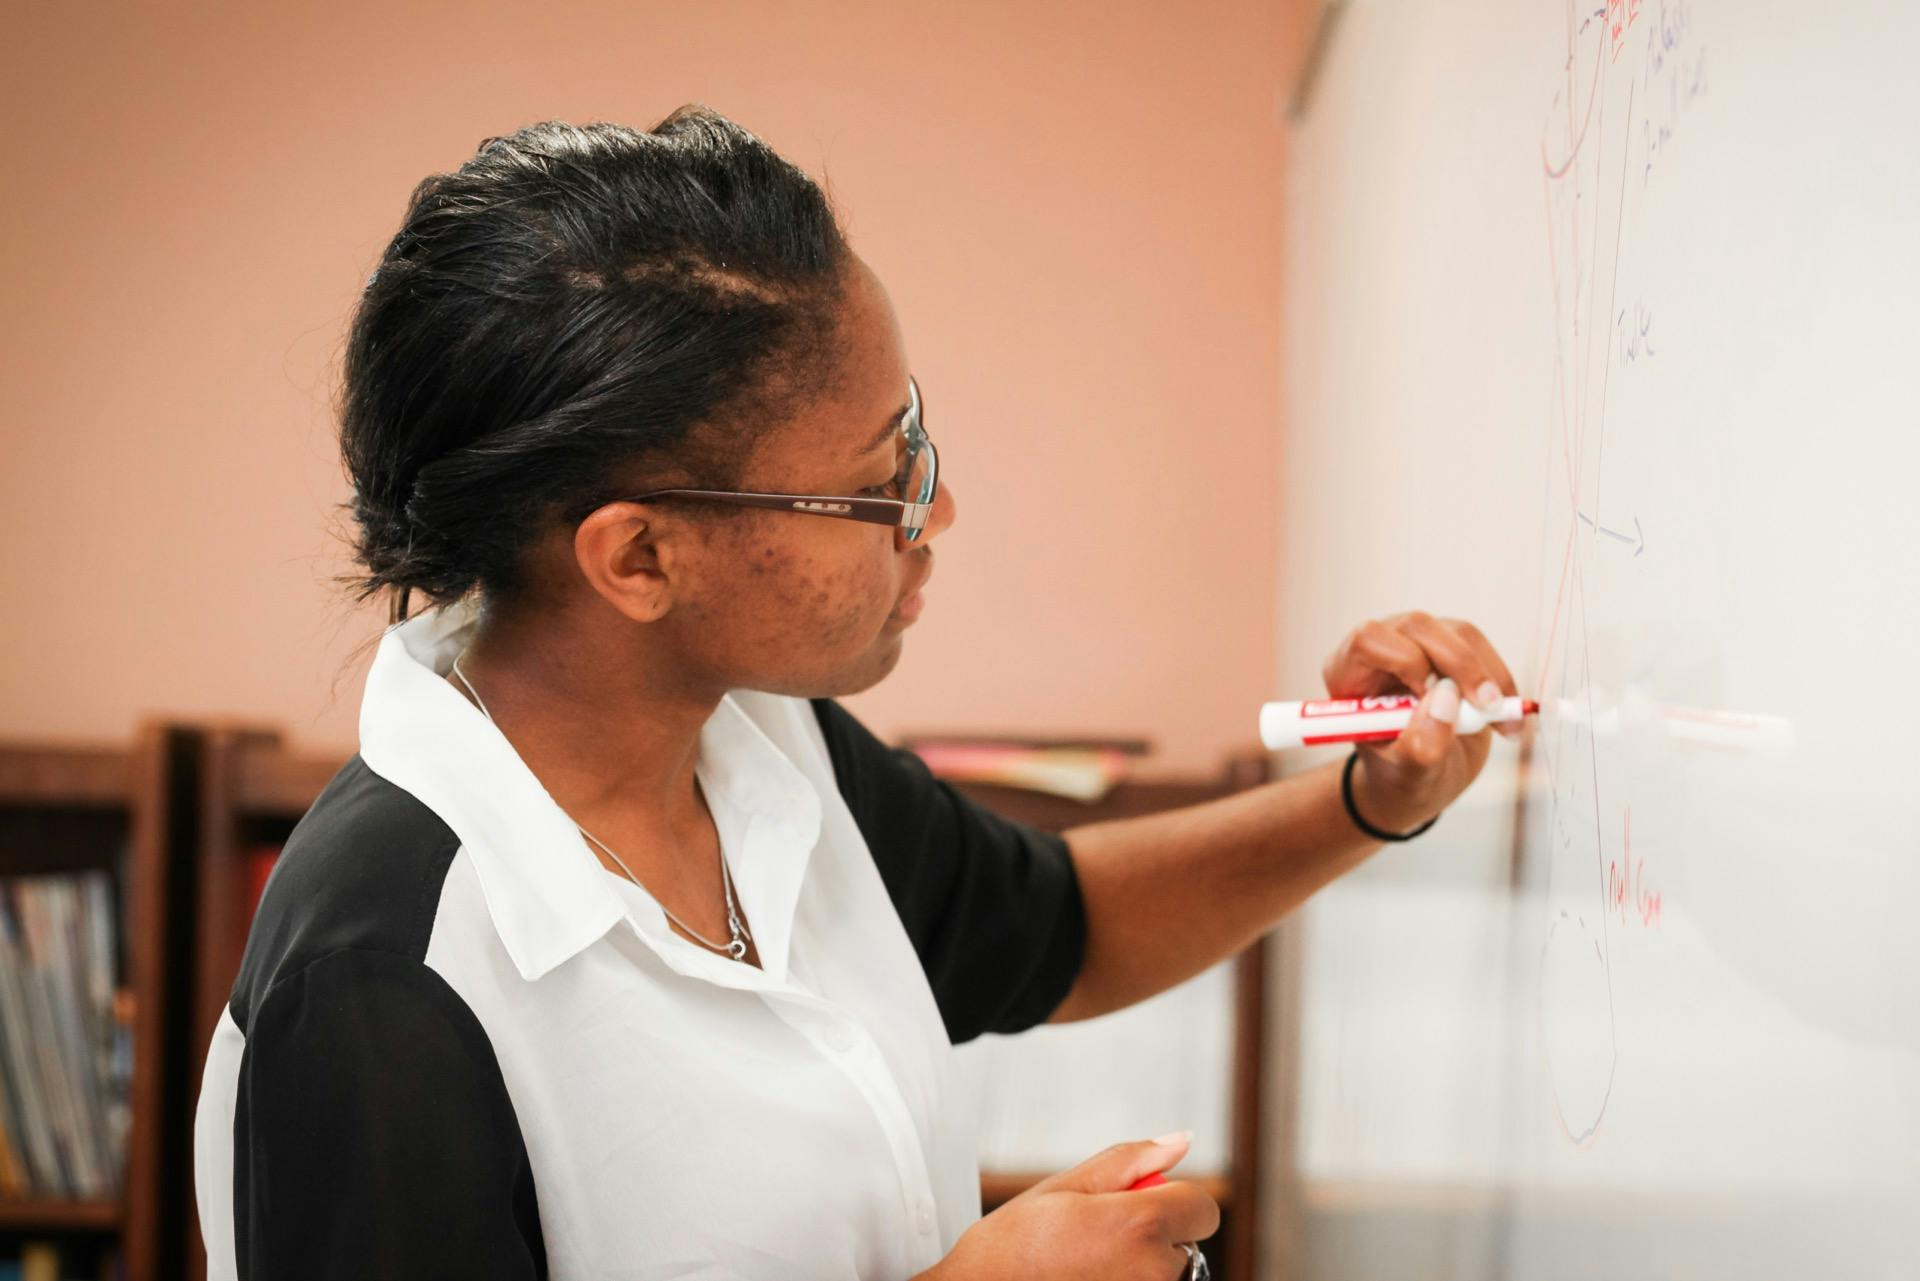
910 517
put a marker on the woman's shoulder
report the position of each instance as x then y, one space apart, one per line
361 871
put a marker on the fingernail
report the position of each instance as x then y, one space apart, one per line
1488 696
1175 1139
1443 704
1432 679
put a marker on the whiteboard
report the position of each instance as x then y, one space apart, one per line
1604 323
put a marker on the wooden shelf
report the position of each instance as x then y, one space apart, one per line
65 777
45 1214
268 783
999 1187
67 807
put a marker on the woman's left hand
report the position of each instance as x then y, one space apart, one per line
1401 784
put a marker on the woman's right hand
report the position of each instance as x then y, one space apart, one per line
1084 1224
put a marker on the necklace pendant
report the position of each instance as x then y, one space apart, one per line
737 949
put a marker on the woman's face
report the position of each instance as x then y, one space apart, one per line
806 605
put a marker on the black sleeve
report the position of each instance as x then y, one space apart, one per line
373 1134
993 907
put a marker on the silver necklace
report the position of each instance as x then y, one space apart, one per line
738 936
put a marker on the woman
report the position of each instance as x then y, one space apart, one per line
621 949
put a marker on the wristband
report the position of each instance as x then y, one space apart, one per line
1346 796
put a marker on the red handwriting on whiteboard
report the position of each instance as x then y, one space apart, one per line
1628 895
1621 15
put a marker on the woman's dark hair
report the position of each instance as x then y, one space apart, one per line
560 313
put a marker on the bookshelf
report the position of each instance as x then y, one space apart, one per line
68 808
252 788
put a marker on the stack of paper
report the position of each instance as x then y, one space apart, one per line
1082 773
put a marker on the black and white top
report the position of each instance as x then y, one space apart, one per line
459 1047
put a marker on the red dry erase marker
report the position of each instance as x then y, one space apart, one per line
1369 720
1196 1261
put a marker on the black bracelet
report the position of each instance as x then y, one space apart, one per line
1346 795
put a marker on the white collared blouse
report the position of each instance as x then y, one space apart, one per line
459 1047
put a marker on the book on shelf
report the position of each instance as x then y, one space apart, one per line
260 858
1081 769
39 1260
65 1039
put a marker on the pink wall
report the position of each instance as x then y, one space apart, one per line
1075 207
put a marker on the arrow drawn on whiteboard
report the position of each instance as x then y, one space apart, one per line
1636 540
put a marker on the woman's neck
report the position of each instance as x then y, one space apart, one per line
611 732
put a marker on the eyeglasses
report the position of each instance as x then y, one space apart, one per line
914 484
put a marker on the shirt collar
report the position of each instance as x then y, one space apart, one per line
546 891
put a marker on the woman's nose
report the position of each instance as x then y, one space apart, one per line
942 514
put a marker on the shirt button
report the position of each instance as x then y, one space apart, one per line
839 1037
925 1216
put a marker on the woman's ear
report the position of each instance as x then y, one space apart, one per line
630 557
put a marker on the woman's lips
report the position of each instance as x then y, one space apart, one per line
909 606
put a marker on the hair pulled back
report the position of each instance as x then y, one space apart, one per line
564 308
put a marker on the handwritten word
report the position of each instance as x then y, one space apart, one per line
1628 895
1672 55
1627 892
1635 336
1666 33
1621 14
1687 84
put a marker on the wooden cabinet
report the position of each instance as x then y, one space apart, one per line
125 809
